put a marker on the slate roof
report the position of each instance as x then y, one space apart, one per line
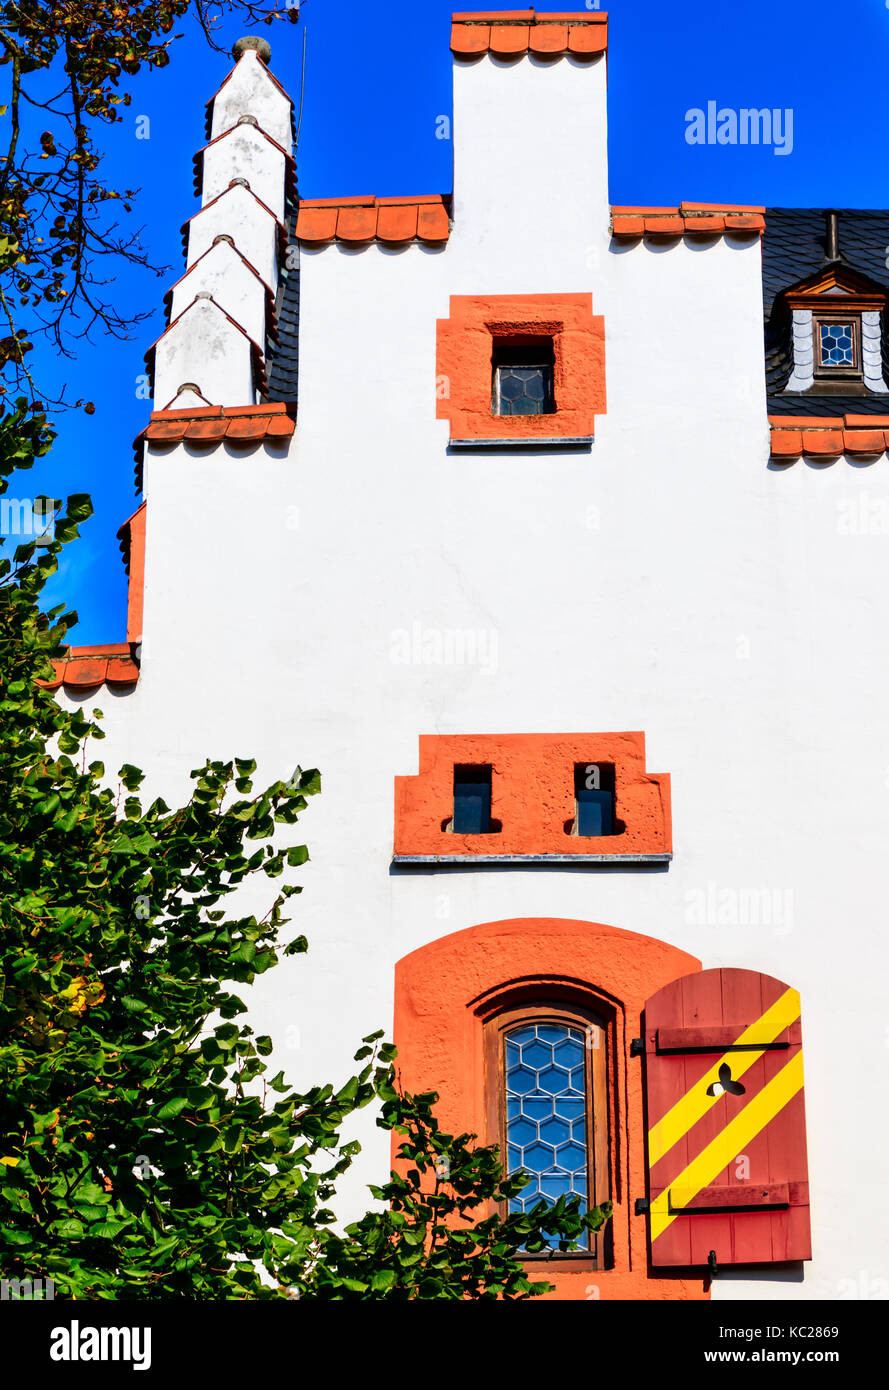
794 246
282 358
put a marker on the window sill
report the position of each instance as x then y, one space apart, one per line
531 858
526 442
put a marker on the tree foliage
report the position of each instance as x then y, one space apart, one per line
145 1150
63 228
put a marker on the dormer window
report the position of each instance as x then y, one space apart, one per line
827 335
837 345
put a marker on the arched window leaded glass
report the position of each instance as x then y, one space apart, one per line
547 1069
546 1121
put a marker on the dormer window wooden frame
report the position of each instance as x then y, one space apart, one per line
840 318
836 296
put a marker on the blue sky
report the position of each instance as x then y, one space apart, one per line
377 77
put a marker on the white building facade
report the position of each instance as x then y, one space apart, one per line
400 559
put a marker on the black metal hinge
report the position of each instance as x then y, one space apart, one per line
637 1047
643 1205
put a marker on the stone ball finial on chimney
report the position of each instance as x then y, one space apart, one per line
252 41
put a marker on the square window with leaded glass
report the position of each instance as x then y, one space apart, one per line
837 345
523 380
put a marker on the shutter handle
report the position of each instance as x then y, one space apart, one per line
711 1261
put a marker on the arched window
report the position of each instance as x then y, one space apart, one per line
547 1092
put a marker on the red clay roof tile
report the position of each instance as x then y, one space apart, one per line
398 223
588 38
242 422
665 226
864 441
433 223
510 38
752 220
168 431
511 32
316 224
85 668
624 225
273 420
122 670
468 39
549 38
689 219
243 427
201 431
787 443
357 224
823 442
397 220
829 436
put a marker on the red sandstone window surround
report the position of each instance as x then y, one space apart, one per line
450 994
470 344
547 798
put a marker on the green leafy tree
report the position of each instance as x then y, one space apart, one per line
145 1151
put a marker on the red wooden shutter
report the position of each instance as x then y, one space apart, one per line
726 1121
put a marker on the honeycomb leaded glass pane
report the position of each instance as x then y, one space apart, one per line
837 346
546 1113
524 390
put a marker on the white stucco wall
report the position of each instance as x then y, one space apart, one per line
669 580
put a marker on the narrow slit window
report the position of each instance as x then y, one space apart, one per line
523 382
594 799
472 799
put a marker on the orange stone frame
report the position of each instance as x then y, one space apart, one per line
445 994
533 800
464 355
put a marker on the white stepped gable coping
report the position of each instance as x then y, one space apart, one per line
252 226
233 284
204 344
247 152
251 88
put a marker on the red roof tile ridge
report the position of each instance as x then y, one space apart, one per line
99 649
807 422
683 209
856 422
529 17
692 208
370 200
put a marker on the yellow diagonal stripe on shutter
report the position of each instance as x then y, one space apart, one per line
731 1141
695 1103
